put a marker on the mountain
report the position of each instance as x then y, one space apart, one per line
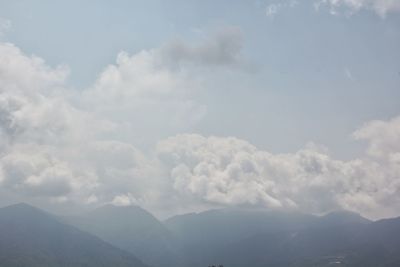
378 244
207 235
342 217
257 238
34 238
225 225
232 237
133 229
314 245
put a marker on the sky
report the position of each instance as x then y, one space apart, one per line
184 106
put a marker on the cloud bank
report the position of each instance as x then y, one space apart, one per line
230 171
84 146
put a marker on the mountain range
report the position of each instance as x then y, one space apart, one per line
34 238
133 229
120 236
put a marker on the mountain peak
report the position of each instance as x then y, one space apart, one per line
32 237
20 205
124 211
123 207
131 228
22 209
343 217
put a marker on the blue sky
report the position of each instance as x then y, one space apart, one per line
281 75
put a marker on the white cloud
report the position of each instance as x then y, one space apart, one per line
383 137
81 146
123 200
274 8
229 171
139 86
45 137
381 7
77 146
27 73
38 171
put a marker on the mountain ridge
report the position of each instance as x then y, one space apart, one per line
32 237
133 229
232 237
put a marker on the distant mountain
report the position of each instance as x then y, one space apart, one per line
34 238
316 245
378 244
226 225
208 234
342 217
237 238
132 229
231 237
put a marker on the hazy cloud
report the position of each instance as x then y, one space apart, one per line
44 136
229 171
35 173
383 138
139 85
77 146
381 7
124 200
223 48
274 8
81 147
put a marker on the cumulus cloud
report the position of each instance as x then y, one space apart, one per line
31 171
229 171
72 146
381 7
78 146
383 137
38 126
141 85
27 73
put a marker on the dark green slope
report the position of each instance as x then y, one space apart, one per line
31 237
